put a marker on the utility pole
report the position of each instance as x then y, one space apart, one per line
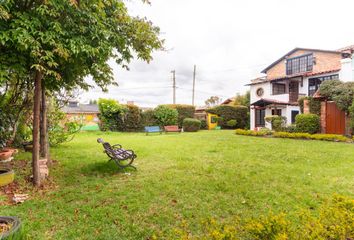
174 85
194 73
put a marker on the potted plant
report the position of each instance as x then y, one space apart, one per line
10 227
5 154
7 176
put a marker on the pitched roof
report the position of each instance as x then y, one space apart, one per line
294 50
81 108
306 74
348 48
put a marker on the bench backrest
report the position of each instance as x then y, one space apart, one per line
152 129
171 128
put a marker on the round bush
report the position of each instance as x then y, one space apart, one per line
191 125
307 123
231 123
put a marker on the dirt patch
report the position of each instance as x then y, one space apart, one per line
23 182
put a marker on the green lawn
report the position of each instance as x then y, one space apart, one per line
188 176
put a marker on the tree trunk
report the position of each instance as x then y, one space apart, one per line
36 122
44 150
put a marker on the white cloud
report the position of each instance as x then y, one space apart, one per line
229 41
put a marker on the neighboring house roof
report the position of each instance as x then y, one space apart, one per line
228 101
81 108
294 50
345 49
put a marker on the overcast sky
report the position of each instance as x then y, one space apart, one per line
229 41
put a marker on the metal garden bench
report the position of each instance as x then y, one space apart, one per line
172 128
152 129
123 158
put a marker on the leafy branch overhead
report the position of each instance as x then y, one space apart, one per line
69 40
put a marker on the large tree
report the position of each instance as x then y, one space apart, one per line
57 43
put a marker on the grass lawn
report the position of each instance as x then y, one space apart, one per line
188 176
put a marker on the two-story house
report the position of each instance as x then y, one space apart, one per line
296 74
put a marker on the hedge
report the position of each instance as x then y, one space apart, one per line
191 125
131 120
321 137
148 118
307 123
227 113
165 116
184 111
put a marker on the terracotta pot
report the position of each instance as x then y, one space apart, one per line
4 155
6 177
13 150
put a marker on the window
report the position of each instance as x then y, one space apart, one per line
260 114
260 92
278 88
276 112
299 64
293 116
314 83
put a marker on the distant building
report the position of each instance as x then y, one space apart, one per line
86 114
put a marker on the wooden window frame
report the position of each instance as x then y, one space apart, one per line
299 64
275 88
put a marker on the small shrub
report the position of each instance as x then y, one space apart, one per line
165 116
277 122
148 118
191 125
184 111
291 128
262 132
307 123
231 123
203 124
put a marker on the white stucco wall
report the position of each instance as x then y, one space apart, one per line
346 72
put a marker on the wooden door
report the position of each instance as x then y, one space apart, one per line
293 91
335 119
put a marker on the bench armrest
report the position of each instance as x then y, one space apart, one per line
115 146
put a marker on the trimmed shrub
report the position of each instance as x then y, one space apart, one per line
110 113
131 120
165 116
262 132
148 118
231 123
203 124
307 123
321 137
184 111
227 113
291 128
277 122
191 125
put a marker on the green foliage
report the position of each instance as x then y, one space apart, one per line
184 111
322 137
327 88
344 96
307 123
262 132
351 114
4 129
294 135
212 101
334 221
243 100
131 120
191 125
341 93
165 116
231 123
60 129
66 41
203 124
277 122
148 118
227 113
314 105
111 114
291 128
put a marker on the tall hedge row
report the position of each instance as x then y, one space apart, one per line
184 111
227 113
